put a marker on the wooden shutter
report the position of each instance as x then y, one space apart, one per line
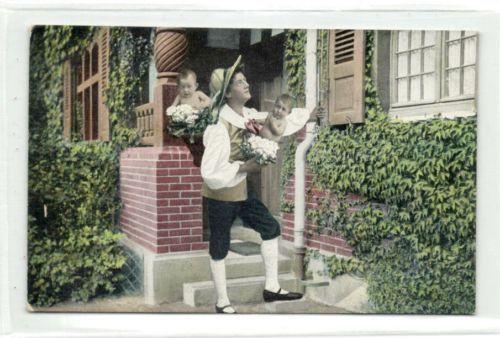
346 73
67 99
103 42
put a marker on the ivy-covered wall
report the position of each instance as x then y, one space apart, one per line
74 249
413 230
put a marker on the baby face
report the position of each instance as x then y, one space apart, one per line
187 86
281 109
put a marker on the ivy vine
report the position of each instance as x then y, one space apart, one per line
413 233
287 170
295 63
74 250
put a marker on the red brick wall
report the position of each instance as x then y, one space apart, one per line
314 240
160 190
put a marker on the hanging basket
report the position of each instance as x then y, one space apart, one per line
196 147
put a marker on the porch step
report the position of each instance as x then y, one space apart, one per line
240 290
241 232
238 266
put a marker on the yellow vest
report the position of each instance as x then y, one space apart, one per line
239 191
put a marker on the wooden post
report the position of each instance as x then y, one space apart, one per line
169 51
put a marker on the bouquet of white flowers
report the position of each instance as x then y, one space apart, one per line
264 150
187 122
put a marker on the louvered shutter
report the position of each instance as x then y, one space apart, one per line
346 73
103 41
67 99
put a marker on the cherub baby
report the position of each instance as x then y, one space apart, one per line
188 93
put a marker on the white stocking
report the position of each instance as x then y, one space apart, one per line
218 268
269 251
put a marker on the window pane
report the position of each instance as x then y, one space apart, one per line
429 59
453 82
429 86
452 35
415 62
86 65
415 88
469 80
402 40
402 90
470 51
469 33
430 38
403 64
415 39
454 54
94 62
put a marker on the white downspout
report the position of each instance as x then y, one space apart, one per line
300 154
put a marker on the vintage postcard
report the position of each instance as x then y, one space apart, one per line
204 170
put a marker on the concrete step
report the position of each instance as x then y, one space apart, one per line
240 290
240 232
356 301
238 266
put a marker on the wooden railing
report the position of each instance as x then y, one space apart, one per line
145 123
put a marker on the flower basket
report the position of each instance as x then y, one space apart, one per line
196 147
189 124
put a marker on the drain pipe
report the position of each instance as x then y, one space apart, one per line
300 156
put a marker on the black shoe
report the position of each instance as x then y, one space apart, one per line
274 296
221 310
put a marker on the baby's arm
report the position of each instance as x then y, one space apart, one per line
277 127
204 99
176 101
271 130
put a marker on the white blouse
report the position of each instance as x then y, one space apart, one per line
216 170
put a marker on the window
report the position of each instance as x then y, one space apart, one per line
460 64
85 79
87 90
433 72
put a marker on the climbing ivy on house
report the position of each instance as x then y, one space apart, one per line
295 64
73 244
287 170
131 51
413 232
334 266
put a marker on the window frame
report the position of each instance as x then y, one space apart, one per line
88 84
394 69
461 67
463 105
92 123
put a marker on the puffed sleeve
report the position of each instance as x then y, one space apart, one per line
216 170
296 120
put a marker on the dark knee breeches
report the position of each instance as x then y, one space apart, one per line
221 216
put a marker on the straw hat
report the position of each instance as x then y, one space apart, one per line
219 82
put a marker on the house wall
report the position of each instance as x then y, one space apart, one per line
313 238
328 243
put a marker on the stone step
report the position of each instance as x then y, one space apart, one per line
238 266
356 301
240 232
240 290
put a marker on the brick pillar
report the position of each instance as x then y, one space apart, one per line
161 194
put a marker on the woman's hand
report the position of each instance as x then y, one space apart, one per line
250 166
317 111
